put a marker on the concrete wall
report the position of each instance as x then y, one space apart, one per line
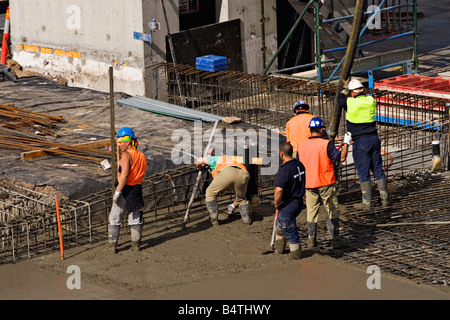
249 12
81 39
156 52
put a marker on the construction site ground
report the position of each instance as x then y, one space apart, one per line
229 262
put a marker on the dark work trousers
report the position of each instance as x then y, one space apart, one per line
286 222
367 157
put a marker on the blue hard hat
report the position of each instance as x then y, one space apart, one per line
126 131
316 122
301 103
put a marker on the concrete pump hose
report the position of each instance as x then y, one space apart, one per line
347 65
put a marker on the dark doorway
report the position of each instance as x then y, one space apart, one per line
297 50
196 13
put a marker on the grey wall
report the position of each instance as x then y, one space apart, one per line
80 39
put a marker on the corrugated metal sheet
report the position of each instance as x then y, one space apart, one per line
168 109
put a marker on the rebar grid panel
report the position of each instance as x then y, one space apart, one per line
406 122
410 238
30 229
265 101
29 224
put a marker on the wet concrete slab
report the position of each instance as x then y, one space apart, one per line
312 278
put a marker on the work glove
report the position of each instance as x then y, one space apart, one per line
116 196
347 138
345 86
230 208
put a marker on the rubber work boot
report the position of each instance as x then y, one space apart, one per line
211 206
295 251
366 191
244 209
386 201
113 237
333 228
136 235
280 241
311 241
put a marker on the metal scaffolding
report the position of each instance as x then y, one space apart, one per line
385 21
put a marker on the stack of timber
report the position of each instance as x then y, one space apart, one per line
19 127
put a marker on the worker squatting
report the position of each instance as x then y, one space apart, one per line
225 309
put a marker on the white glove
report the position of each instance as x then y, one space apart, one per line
116 196
348 138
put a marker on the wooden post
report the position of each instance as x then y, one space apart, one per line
59 228
113 131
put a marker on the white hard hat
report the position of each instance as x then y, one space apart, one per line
354 84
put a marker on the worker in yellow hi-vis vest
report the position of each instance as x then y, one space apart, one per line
360 112
226 173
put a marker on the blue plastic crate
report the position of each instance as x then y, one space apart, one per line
211 63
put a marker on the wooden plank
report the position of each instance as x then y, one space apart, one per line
31 113
88 146
52 150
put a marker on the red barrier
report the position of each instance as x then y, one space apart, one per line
5 43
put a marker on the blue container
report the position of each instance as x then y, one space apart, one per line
211 63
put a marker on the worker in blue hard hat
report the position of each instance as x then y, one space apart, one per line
318 155
297 129
360 114
128 195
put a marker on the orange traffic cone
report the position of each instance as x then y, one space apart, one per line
5 43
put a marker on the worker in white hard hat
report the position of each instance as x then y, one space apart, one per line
360 115
297 128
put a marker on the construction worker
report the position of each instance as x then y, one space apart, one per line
226 173
360 110
288 200
297 129
318 155
128 195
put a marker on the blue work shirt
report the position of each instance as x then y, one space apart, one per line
291 178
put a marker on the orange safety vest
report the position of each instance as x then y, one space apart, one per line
224 162
318 166
138 167
297 129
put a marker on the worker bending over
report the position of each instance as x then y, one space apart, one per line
226 173
128 195
318 155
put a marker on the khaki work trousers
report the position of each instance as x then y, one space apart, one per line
328 195
229 177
